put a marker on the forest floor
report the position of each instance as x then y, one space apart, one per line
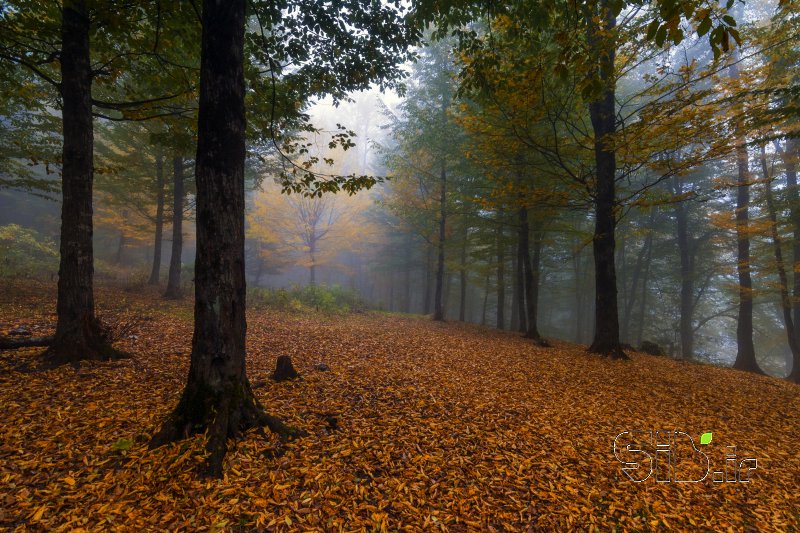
440 427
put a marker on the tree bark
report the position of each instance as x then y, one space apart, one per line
531 276
155 272
426 298
602 112
790 155
438 308
519 282
686 327
174 277
218 396
501 273
79 334
462 277
786 300
746 352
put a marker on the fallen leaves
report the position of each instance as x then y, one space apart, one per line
439 427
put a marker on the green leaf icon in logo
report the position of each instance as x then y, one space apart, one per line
705 438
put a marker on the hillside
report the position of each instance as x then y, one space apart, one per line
416 426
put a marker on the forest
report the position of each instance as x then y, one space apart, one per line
307 265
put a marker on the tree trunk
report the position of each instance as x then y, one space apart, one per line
438 308
630 301
426 298
174 278
603 116
746 352
501 273
687 282
786 300
155 273
514 325
790 155
462 277
579 296
485 298
519 288
643 298
218 396
407 281
79 334
312 268
531 276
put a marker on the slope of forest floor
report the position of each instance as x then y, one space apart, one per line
440 426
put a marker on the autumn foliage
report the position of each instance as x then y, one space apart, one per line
416 426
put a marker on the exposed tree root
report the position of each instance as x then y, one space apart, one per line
90 341
613 351
8 343
224 414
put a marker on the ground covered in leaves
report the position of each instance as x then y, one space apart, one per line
438 427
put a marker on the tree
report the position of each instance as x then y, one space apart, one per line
217 396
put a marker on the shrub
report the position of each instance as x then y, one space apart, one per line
325 299
24 252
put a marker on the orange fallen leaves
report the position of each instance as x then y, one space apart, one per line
441 427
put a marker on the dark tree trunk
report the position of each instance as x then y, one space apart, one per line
790 155
155 273
746 352
687 282
603 116
218 396
786 300
462 277
501 273
531 276
514 325
174 278
438 307
79 334
519 282
426 298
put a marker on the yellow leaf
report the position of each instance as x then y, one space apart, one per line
69 480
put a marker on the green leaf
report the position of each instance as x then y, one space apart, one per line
661 36
704 26
705 438
122 445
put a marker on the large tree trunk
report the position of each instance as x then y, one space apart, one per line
531 276
438 307
786 300
174 277
218 397
746 352
79 334
155 272
603 115
501 273
790 155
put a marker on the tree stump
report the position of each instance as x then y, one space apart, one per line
284 369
